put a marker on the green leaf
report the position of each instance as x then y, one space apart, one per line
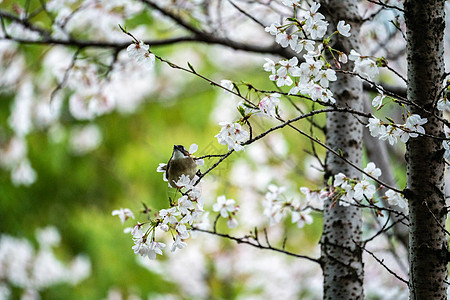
191 67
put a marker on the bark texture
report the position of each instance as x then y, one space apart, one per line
428 246
341 256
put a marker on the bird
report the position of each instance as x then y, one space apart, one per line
181 163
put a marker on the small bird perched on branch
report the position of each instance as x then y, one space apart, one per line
181 163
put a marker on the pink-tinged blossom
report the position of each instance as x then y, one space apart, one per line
141 54
182 230
310 195
342 57
311 67
327 96
275 192
232 135
137 50
274 212
273 204
284 81
147 60
123 213
268 104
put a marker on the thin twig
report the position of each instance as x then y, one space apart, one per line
251 242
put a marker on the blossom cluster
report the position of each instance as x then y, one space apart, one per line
364 66
140 52
232 135
268 104
411 129
351 190
312 77
177 219
276 206
227 208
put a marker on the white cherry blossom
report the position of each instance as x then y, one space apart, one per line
343 29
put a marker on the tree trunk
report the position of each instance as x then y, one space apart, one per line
425 166
341 256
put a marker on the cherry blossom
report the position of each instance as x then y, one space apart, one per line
123 213
302 217
178 243
224 206
343 29
364 189
378 101
268 104
364 66
372 170
395 198
169 215
232 135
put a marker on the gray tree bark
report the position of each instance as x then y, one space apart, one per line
425 166
341 256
